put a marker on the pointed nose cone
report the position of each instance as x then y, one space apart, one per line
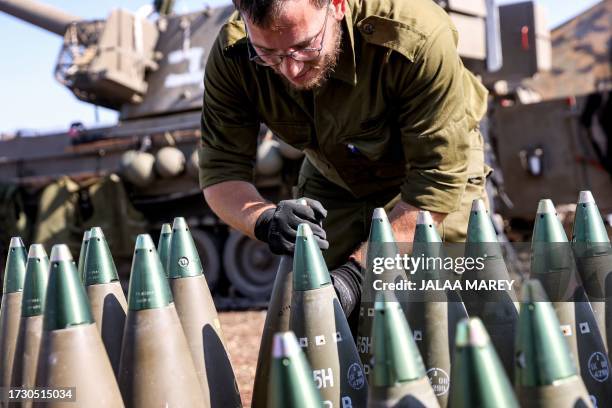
37 271
471 333
426 240
478 376
290 383
149 287
309 269
552 259
183 260
543 356
163 245
380 229
99 265
425 230
82 254
480 226
547 226
285 345
14 271
381 242
66 302
396 355
481 237
588 224
585 197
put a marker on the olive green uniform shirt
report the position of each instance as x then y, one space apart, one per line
399 111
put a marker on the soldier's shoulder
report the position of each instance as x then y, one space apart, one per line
402 25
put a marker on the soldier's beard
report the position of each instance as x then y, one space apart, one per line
321 68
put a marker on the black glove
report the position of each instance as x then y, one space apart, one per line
278 226
347 280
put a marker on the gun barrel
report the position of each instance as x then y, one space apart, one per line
41 15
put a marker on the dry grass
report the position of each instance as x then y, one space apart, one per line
242 331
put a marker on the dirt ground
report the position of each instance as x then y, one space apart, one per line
242 332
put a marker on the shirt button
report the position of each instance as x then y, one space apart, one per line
368 28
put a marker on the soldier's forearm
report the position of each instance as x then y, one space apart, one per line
403 219
237 203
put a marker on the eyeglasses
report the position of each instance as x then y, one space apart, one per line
303 54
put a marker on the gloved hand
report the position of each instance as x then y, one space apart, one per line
278 226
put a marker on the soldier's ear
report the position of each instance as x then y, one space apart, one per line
339 7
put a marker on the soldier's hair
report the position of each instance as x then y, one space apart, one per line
262 12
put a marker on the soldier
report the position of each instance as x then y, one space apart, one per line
376 96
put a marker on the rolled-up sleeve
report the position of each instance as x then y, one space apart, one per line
229 123
436 123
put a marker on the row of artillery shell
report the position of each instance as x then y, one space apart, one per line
529 347
161 347
57 343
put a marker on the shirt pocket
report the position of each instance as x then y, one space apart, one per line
375 148
375 140
297 134
370 141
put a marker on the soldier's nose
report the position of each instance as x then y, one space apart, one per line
291 68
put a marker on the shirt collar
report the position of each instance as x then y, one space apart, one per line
346 69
